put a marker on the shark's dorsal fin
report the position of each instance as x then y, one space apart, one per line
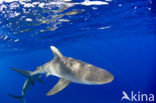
56 52
62 83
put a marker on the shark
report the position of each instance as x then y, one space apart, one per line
69 70
27 84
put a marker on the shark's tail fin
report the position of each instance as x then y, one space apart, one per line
29 74
25 73
20 98
22 72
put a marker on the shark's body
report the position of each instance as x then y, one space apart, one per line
76 71
71 70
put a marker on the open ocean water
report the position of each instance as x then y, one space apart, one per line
118 35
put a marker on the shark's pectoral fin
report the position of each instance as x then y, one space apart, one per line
62 83
48 74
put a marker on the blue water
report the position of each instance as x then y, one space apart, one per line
119 37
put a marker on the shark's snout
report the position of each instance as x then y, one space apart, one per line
106 77
110 78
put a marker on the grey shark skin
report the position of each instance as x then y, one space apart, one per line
72 70
27 84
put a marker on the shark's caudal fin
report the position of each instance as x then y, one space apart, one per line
20 98
29 74
22 72
25 73
56 52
